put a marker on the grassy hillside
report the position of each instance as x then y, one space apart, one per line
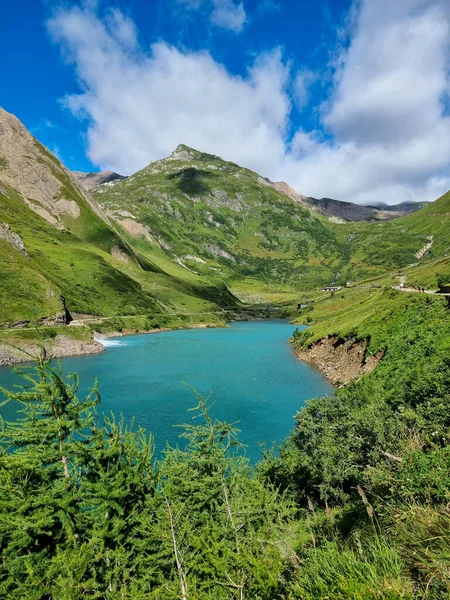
222 220
419 238
59 251
177 236
366 314
91 280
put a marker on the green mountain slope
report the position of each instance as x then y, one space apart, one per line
219 219
59 250
417 239
171 239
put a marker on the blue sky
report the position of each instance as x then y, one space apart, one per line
35 77
340 98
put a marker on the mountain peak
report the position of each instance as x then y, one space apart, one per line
183 152
44 183
90 180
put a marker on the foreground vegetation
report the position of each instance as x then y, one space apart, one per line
355 504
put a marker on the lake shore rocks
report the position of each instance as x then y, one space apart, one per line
340 360
63 345
58 347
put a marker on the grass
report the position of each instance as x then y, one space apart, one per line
366 314
359 568
204 201
279 249
61 263
403 554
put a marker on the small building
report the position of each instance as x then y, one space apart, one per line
331 288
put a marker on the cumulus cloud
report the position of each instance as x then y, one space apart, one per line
228 15
140 106
303 81
222 13
385 127
391 132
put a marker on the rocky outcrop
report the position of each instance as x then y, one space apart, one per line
62 345
45 185
12 238
136 229
286 190
340 360
119 254
216 251
91 180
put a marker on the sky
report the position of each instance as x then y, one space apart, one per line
348 99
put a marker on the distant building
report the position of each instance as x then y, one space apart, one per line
331 288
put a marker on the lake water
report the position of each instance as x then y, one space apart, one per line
249 369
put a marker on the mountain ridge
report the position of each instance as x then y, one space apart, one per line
61 253
93 179
169 241
328 207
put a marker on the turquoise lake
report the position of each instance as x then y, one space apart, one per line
249 369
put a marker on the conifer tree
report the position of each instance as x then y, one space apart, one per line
38 478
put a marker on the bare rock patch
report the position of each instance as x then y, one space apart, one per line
341 360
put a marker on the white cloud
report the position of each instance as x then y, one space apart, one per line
222 13
140 105
387 134
391 136
228 15
302 86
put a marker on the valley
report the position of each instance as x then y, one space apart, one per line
188 240
207 255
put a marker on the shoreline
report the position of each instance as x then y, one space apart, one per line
340 361
63 346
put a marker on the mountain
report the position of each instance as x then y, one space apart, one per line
90 180
403 207
217 218
167 244
338 210
60 254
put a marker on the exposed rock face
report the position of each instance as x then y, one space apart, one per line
59 347
119 254
46 186
136 229
341 361
347 211
67 207
286 189
90 180
216 251
195 259
12 238
183 152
